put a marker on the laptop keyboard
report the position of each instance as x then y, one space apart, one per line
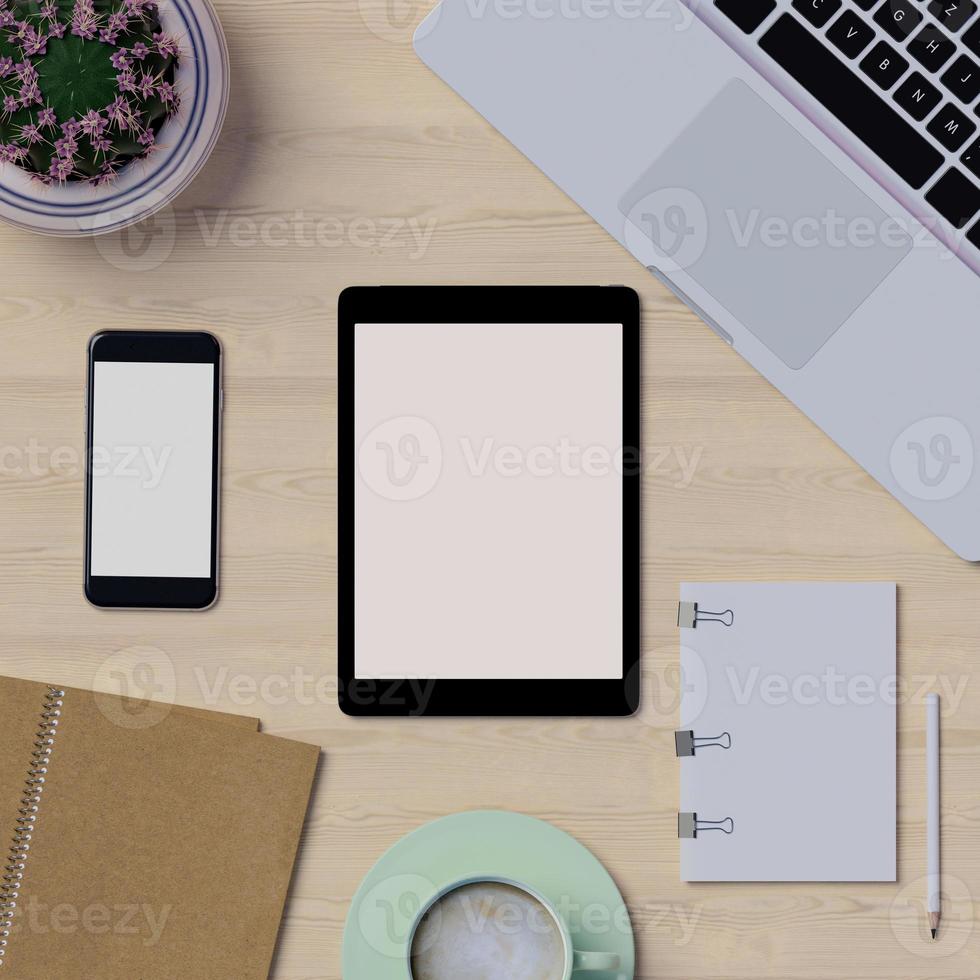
902 75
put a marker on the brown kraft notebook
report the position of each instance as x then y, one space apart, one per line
142 853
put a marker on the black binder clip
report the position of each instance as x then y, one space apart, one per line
689 615
688 825
686 744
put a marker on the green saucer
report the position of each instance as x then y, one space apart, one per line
477 845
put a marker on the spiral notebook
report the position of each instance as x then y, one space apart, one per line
142 852
787 741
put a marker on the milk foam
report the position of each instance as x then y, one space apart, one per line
488 931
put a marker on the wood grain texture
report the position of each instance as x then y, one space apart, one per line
345 161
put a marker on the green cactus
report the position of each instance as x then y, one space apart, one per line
85 86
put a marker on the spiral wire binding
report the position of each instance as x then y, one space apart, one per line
13 870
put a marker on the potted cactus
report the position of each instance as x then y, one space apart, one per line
85 85
90 87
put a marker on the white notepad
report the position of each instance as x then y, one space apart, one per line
804 682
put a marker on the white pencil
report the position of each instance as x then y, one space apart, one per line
934 904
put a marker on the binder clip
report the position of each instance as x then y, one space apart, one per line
688 825
689 615
686 744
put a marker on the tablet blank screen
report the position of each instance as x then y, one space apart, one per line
488 501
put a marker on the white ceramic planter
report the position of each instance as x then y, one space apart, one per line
145 186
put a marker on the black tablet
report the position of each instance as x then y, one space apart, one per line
489 496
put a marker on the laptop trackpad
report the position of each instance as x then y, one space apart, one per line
766 224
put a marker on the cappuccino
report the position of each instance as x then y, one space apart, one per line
488 931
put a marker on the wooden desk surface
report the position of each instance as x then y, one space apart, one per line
344 161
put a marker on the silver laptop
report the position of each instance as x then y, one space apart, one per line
805 174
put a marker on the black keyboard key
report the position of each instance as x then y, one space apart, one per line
817 12
962 78
899 18
746 14
951 127
973 235
917 96
955 197
952 14
865 4
971 159
932 48
845 95
884 65
850 34
972 39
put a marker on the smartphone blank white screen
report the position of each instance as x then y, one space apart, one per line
488 501
152 453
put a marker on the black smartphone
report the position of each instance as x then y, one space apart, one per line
153 452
